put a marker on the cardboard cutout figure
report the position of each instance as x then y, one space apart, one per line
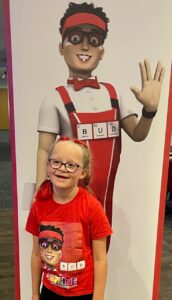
91 110
35 68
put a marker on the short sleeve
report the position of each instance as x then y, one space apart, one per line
124 110
32 224
53 117
99 224
48 115
127 103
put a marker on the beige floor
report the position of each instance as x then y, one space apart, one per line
6 255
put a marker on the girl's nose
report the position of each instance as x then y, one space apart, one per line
62 168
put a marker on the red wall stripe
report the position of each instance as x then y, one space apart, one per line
157 269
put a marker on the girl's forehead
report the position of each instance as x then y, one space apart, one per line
67 146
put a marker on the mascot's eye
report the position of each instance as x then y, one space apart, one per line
44 244
74 37
94 41
56 246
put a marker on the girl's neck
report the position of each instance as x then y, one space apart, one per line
64 196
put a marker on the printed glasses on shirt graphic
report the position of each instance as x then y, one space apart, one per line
55 245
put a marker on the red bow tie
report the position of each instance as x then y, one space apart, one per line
80 84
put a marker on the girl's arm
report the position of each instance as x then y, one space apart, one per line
100 268
44 144
36 269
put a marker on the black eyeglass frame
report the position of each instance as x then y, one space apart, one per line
53 243
88 34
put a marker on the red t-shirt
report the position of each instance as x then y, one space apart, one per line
68 269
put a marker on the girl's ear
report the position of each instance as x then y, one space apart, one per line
83 174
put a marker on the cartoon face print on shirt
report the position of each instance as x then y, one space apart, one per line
82 49
61 248
50 243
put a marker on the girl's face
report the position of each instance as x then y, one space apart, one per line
66 152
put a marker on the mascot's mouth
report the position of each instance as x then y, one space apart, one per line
84 57
49 257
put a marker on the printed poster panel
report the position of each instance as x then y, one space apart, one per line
137 31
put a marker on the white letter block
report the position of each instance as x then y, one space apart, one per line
63 266
71 266
113 129
100 130
84 131
81 265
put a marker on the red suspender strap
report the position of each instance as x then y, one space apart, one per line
112 93
70 108
66 99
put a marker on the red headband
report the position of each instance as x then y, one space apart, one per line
50 234
84 18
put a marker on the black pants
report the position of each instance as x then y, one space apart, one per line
47 294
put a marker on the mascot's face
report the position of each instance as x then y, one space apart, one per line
82 49
50 250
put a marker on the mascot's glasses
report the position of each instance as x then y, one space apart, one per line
95 38
69 166
44 243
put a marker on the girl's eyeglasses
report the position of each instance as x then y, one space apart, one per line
69 166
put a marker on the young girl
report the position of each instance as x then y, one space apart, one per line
69 229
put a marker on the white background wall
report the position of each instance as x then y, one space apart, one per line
137 30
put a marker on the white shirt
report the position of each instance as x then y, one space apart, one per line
54 118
